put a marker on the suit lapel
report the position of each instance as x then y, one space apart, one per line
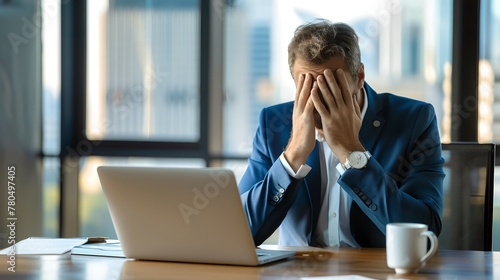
372 122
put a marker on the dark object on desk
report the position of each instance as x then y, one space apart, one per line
110 248
468 196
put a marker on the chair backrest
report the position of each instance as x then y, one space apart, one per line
468 196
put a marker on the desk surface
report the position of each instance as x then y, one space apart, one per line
446 264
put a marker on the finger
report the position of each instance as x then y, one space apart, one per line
357 108
344 87
334 87
300 84
324 93
309 108
318 103
305 91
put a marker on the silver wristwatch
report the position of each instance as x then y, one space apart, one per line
357 160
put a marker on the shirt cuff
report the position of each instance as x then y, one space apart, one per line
340 168
301 173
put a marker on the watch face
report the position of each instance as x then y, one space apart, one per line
357 159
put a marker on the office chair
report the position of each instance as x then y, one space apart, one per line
468 196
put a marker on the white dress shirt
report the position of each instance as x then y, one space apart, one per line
333 228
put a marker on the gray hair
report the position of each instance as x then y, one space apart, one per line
319 40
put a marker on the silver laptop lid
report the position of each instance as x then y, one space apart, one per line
178 214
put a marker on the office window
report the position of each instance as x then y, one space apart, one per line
51 110
405 47
143 70
143 84
489 72
51 196
489 93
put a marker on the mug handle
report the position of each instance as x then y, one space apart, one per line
434 245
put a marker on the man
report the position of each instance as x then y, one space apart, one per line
336 165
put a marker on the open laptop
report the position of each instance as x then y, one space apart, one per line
182 215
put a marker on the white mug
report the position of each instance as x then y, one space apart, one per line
406 246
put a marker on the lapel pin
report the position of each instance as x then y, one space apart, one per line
376 123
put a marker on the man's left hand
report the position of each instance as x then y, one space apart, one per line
340 112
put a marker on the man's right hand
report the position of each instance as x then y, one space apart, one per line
303 136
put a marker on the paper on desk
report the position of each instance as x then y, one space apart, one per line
338 277
44 246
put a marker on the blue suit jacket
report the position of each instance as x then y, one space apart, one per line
403 181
